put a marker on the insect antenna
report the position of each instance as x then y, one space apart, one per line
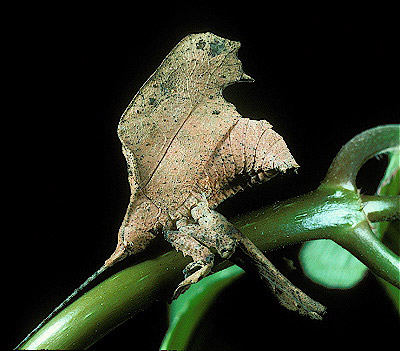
64 304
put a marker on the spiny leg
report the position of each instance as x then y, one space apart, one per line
195 239
250 258
203 259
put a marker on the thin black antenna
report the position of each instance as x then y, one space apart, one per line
64 303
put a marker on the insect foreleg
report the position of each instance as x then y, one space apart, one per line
203 258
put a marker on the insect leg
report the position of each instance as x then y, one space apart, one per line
224 244
203 258
250 258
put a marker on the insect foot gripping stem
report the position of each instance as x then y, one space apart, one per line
196 239
203 259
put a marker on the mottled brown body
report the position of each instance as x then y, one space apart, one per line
184 143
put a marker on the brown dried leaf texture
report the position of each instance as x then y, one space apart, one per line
183 141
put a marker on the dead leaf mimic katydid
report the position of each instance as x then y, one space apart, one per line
187 150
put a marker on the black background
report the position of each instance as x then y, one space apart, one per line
321 77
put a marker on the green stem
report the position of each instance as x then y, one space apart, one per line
364 245
110 303
381 208
315 215
322 213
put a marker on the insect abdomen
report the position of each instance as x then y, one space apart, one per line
251 153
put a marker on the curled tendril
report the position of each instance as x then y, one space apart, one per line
372 142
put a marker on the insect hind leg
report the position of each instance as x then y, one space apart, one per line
250 258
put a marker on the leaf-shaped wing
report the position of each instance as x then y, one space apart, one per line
179 116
